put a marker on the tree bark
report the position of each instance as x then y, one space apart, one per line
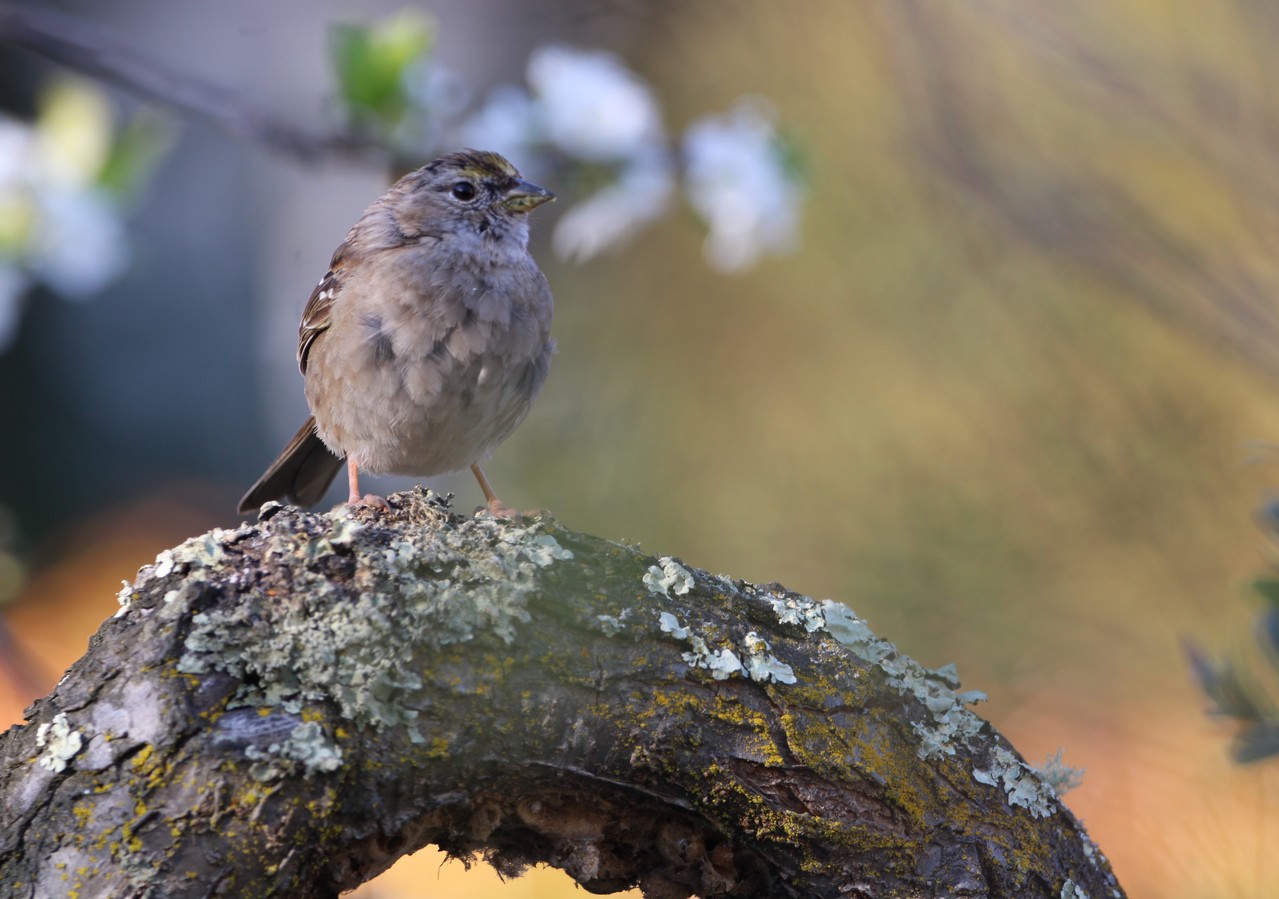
286 708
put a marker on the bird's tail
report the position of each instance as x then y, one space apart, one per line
300 474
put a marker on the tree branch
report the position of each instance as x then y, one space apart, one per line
92 50
288 707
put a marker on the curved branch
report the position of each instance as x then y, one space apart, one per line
288 707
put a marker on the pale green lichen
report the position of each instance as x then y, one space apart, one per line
762 665
1020 782
345 529
721 663
541 549
612 625
352 641
949 673
1060 776
667 576
203 551
1070 890
798 610
59 741
670 625
949 725
307 748
194 555
124 597
844 625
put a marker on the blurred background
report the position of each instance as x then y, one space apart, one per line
995 363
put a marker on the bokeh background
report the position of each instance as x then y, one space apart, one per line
1001 398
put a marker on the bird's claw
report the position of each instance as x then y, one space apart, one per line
503 512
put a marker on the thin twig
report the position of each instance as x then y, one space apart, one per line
93 50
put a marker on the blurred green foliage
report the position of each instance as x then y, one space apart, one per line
138 146
66 183
1236 688
89 143
373 62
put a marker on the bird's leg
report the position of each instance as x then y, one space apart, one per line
496 508
352 480
353 487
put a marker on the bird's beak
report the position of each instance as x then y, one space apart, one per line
523 197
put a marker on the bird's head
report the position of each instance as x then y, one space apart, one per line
471 193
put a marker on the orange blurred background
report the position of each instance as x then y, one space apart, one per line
996 401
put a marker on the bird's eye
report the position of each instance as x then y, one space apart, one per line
464 191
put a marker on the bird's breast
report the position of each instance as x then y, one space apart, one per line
422 381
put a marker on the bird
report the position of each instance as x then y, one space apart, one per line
428 338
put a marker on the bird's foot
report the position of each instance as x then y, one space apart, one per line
369 499
500 510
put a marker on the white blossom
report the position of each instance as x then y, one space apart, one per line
615 213
78 245
591 105
56 226
588 108
736 180
16 153
507 123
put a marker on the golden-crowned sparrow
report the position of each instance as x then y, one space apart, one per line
427 340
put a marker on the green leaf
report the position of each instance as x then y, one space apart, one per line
134 153
371 62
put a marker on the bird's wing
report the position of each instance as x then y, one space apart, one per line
318 313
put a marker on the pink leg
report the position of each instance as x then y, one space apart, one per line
353 488
352 480
496 509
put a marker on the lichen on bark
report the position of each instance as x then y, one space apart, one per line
287 707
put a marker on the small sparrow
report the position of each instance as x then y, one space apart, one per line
427 340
